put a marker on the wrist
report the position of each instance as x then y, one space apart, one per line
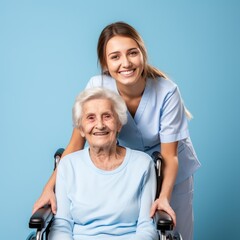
165 196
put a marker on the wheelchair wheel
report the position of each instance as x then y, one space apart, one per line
31 236
177 236
170 237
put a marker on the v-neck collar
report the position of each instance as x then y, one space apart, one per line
142 104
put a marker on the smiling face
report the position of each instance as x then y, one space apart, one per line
99 123
124 60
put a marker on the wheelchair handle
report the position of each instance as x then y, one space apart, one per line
41 218
59 152
57 156
157 158
163 221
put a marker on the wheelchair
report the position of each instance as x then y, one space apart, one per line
42 218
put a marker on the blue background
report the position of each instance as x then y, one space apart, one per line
48 53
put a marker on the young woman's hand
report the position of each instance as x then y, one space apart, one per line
163 204
47 198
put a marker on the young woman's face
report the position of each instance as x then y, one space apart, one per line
124 60
99 123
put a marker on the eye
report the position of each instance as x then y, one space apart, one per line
133 53
107 116
114 57
90 118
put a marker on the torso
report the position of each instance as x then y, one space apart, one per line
158 116
132 104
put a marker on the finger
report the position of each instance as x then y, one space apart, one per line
33 210
36 206
172 215
153 209
53 206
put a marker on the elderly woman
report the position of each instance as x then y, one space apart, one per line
104 191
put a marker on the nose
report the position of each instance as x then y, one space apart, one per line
126 62
100 124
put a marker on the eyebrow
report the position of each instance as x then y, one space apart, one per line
106 112
130 49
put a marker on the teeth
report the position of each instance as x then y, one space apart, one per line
126 72
100 134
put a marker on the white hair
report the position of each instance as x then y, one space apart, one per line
119 105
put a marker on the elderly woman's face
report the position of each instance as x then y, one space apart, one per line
99 124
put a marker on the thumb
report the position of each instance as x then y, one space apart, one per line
36 206
53 205
153 209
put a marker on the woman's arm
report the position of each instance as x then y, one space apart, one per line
169 171
145 226
48 196
62 225
76 143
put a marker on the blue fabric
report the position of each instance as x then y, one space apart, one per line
160 117
97 204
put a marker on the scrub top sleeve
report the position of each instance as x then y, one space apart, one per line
90 83
173 120
95 81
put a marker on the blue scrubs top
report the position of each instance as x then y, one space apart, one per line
160 117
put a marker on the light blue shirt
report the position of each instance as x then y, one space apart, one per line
160 117
95 204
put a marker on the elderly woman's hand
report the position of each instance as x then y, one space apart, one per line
47 198
163 204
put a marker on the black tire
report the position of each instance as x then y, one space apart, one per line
170 237
31 236
177 236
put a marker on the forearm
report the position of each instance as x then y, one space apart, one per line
170 169
76 143
61 229
146 228
62 225
51 182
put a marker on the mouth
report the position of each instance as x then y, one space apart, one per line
100 133
127 73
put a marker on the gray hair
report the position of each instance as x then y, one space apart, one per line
98 93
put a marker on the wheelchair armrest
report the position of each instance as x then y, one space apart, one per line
163 221
41 218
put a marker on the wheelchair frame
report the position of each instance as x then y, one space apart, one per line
42 218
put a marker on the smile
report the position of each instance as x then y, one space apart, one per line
100 133
126 73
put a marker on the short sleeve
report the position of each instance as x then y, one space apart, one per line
173 120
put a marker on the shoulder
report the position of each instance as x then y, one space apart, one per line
163 89
72 160
140 158
100 81
163 84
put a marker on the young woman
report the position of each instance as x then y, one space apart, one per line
157 121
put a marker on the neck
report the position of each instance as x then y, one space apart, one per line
107 159
132 91
132 95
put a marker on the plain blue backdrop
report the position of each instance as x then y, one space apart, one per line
48 53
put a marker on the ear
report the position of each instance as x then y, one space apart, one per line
81 132
119 127
105 70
